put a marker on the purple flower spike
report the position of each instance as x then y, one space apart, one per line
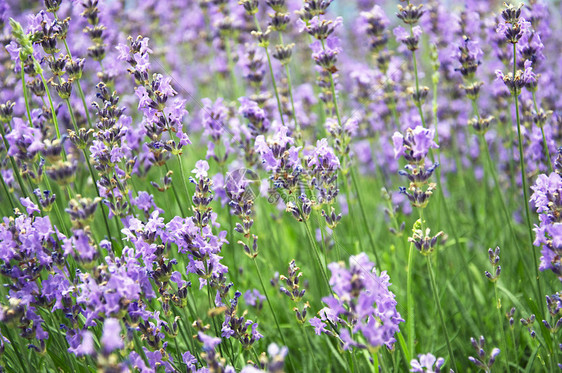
209 343
427 363
200 170
415 145
361 300
30 207
319 326
548 234
111 338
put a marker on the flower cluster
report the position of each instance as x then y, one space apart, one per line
414 147
427 363
292 289
483 361
361 304
114 258
547 199
494 258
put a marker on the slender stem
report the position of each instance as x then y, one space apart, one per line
32 187
91 170
103 207
364 215
391 94
27 106
14 342
12 161
212 305
492 171
357 190
333 88
78 85
514 341
183 179
546 150
410 301
347 194
175 193
271 307
290 88
322 241
53 113
57 210
310 348
524 182
336 246
501 321
422 219
436 139
8 194
279 106
317 255
438 303
228 49
417 101
83 98
256 356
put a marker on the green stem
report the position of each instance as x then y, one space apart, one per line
175 193
524 183
290 88
15 168
441 318
336 246
212 305
316 251
183 179
546 150
14 342
310 348
514 341
8 194
333 88
410 301
347 194
271 308
438 149
417 102
492 171
78 85
364 216
272 75
53 113
91 170
24 90
501 321
228 49
422 221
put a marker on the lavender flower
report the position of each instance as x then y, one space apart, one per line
548 234
414 147
494 258
427 363
254 298
361 305
410 41
111 339
239 327
482 361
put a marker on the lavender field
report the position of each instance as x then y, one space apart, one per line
280 186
